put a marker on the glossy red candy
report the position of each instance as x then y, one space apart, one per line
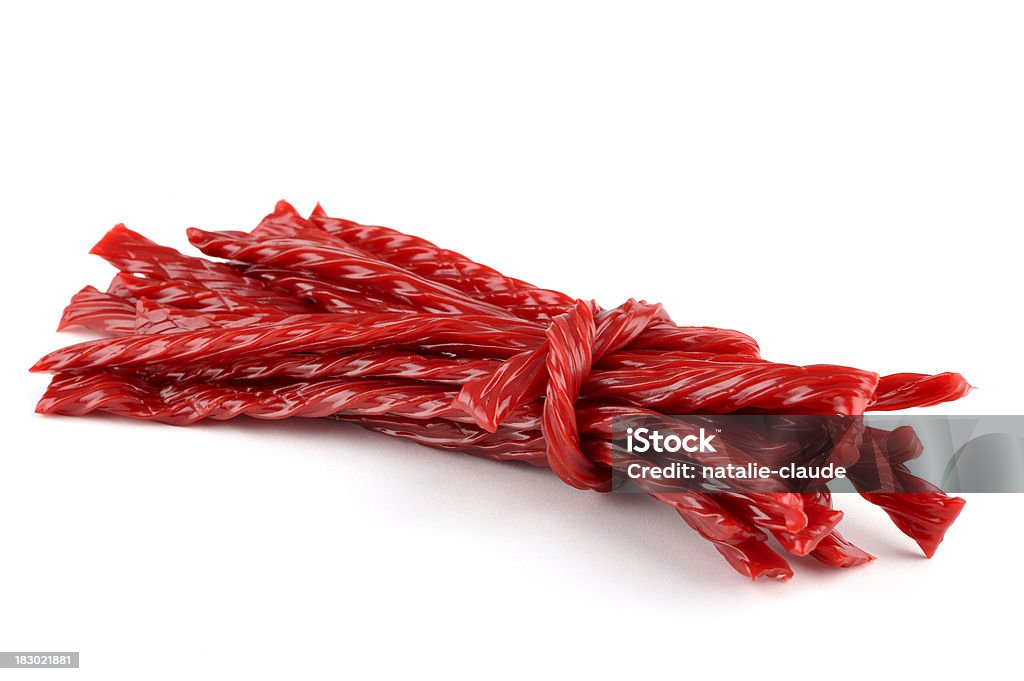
325 317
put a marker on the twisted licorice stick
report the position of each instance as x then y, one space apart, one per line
449 268
192 295
836 551
439 264
471 334
894 391
362 364
919 509
326 296
100 312
721 387
344 265
924 516
902 391
153 318
184 403
569 358
133 253
507 444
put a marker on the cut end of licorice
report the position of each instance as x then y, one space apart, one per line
950 511
323 317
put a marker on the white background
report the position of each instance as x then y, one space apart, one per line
841 181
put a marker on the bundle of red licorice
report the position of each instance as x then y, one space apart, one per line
324 317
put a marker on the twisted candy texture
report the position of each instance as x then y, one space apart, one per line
101 312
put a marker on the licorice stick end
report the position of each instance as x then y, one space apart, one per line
951 507
67 317
755 559
111 242
195 235
835 551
